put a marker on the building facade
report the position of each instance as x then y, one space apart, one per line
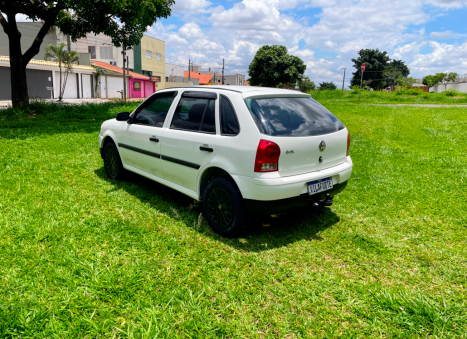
172 70
149 58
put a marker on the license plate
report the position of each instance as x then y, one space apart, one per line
319 185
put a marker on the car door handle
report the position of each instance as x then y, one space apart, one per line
208 149
154 139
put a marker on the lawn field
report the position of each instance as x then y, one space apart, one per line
85 257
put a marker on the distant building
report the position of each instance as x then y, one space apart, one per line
174 71
204 79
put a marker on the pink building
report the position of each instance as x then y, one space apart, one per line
139 86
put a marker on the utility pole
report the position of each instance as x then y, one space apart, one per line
343 80
223 71
189 70
124 73
361 81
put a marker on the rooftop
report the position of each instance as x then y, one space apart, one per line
204 79
47 63
118 69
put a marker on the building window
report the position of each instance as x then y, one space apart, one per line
92 52
137 86
106 52
148 55
147 73
158 57
166 79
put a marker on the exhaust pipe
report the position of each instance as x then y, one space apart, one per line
321 203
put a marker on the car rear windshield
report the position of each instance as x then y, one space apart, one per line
292 117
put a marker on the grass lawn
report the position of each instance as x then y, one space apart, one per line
86 257
377 97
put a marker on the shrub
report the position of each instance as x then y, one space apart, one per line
452 93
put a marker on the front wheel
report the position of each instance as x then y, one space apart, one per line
223 207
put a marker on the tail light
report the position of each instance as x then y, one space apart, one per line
267 156
348 143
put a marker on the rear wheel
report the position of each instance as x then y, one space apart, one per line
223 207
112 162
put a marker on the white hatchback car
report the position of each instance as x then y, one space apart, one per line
238 150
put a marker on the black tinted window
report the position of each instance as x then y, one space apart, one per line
190 113
229 122
292 117
154 110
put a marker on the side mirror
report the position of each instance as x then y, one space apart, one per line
123 116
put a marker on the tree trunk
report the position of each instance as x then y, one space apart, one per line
19 83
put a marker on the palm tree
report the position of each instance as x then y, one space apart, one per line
65 58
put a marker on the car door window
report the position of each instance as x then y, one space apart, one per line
195 114
229 121
154 110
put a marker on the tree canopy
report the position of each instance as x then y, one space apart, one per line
124 21
273 66
433 80
327 86
305 85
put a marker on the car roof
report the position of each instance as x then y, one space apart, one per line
242 89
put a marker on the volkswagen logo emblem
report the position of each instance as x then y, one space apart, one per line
322 146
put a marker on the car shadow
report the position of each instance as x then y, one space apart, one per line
261 234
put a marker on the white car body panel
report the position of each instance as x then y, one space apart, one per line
233 154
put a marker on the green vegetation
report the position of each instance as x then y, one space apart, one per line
401 96
327 86
86 257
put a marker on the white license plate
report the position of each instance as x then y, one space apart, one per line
319 185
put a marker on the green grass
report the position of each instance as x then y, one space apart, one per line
86 257
377 97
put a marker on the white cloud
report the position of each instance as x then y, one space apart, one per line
190 30
442 35
448 4
190 6
442 58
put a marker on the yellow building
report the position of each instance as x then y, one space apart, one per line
150 59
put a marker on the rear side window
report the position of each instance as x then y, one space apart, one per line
195 114
229 121
292 117
154 110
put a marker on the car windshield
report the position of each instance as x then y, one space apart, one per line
292 117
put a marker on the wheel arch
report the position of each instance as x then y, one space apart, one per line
211 173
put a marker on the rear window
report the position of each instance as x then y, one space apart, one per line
292 117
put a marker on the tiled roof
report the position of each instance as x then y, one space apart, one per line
118 69
204 79
246 83
47 63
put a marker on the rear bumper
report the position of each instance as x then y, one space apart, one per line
282 205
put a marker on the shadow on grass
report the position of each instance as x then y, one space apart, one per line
261 234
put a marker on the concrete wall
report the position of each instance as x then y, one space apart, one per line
461 87
177 84
38 81
174 70
182 79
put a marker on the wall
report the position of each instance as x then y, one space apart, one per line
28 32
114 84
152 65
38 81
177 84
194 81
174 70
461 87
137 56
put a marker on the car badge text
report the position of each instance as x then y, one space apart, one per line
290 152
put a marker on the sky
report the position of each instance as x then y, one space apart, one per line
430 36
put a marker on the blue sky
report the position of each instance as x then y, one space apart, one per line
429 35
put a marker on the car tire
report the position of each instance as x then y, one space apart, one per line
224 208
112 162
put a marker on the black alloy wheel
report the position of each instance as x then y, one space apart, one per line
223 207
220 207
112 162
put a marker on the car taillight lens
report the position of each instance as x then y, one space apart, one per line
348 143
267 156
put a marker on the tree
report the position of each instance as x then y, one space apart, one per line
306 85
64 57
124 21
272 66
401 81
444 78
375 62
327 86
